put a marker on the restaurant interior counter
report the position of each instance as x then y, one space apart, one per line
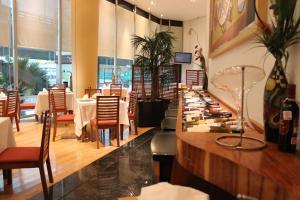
202 163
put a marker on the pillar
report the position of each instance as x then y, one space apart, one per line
85 22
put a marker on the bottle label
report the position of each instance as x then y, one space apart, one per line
294 140
287 115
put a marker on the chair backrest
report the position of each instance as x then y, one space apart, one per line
108 108
44 152
194 77
133 102
57 100
2 108
12 102
61 86
90 92
115 89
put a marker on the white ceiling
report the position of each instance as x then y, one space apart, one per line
173 9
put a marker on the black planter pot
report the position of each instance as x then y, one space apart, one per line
151 113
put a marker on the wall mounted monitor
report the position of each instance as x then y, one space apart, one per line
182 57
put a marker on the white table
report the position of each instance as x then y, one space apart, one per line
42 102
85 110
7 137
106 92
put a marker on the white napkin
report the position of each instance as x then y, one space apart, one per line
54 88
45 90
68 90
95 95
2 95
85 96
163 191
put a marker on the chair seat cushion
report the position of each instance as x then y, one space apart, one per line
65 117
20 154
105 122
131 115
27 106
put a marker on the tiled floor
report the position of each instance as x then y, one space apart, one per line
120 173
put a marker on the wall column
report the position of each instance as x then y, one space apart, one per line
85 22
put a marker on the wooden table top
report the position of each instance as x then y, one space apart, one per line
282 168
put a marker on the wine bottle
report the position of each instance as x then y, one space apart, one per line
289 116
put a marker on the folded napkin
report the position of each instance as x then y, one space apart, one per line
55 88
45 90
68 90
85 96
163 191
95 95
2 95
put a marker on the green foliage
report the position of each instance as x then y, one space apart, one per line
155 50
32 79
283 31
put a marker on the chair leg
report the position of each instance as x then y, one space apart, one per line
135 126
129 127
7 174
43 180
54 132
49 170
121 130
36 118
17 123
118 135
97 138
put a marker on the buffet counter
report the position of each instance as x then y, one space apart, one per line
262 174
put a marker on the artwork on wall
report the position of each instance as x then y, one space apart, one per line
233 22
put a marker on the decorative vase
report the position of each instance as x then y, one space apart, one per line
274 94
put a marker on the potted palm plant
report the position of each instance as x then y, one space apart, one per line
277 37
154 50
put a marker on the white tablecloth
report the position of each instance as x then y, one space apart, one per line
85 110
106 92
7 137
42 102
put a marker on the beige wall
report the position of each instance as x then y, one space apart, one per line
245 54
85 20
198 32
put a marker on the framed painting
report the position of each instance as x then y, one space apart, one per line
233 22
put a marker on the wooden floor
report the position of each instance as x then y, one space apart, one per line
67 156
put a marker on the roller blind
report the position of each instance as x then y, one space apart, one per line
177 33
154 27
125 32
66 26
106 29
142 26
37 24
4 23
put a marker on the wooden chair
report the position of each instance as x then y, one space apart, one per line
116 90
58 105
132 108
90 92
12 107
30 157
107 115
60 86
27 106
2 108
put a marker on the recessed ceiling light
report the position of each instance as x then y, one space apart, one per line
193 1
161 15
149 8
152 2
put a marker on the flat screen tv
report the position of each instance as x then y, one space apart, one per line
181 57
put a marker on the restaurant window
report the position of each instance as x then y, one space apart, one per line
106 47
125 31
6 63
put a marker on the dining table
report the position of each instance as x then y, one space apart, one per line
42 102
85 111
124 92
7 137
